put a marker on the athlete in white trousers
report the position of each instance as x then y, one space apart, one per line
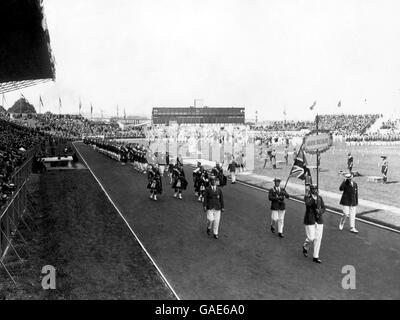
277 197
349 201
313 222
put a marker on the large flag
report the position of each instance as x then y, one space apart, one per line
313 105
300 165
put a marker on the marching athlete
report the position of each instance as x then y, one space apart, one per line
204 183
196 178
154 181
277 197
232 169
313 222
349 201
180 182
218 173
213 205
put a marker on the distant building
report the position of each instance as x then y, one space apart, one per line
192 115
131 120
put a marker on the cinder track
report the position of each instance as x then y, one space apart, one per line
248 261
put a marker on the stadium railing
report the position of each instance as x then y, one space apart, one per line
15 207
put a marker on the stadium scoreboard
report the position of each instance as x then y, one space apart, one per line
192 115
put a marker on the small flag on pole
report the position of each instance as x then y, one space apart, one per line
339 104
91 110
313 105
124 114
40 104
300 166
80 106
60 105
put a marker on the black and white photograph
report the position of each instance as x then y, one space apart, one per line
179 151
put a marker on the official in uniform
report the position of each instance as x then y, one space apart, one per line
384 169
213 205
286 155
350 162
349 201
277 197
313 222
273 159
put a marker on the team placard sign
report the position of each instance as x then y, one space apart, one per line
320 142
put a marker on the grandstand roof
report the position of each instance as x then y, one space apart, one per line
25 52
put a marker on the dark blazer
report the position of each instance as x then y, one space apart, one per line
277 198
314 210
232 166
213 199
350 193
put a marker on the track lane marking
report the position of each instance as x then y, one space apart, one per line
126 222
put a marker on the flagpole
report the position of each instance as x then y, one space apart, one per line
316 124
287 180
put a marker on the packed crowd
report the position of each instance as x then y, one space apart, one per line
391 124
337 124
15 142
347 124
74 127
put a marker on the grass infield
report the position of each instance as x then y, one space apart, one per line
79 233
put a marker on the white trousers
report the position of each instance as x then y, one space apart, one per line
162 169
350 211
233 176
213 217
278 215
314 236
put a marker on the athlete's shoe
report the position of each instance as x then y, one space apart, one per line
354 230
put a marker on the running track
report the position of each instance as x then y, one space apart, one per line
247 261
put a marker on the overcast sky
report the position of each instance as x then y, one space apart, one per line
260 54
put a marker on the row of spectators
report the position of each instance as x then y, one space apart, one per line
75 127
391 125
348 124
15 142
339 124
